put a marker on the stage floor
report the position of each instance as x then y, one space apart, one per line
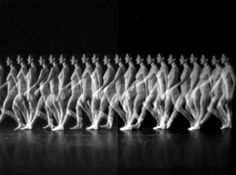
111 152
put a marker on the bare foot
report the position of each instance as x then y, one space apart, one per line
161 126
92 127
136 125
20 125
126 127
26 127
48 126
58 128
195 127
77 126
108 125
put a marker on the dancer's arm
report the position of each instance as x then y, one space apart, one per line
185 77
50 76
3 85
99 77
232 74
118 74
42 76
195 81
132 77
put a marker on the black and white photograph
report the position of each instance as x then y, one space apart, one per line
117 87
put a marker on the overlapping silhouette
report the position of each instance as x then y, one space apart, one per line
194 88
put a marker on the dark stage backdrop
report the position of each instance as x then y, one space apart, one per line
68 26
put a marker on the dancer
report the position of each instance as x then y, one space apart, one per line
159 103
106 94
194 94
129 93
171 95
205 88
152 90
20 106
64 93
141 89
11 83
118 83
85 99
32 99
216 93
44 90
228 85
76 91
96 85
184 86
52 105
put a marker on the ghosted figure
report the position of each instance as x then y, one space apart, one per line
129 93
63 93
97 76
106 93
118 83
32 98
152 92
43 90
84 101
228 85
11 82
76 91
20 106
205 88
141 90
184 88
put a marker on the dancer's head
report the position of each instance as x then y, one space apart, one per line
62 59
128 58
193 58
159 58
117 59
106 60
41 60
139 60
95 58
214 60
19 59
171 59
150 60
84 59
51 59
30 59
73 60
9 61
224 59
182 60
203 59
